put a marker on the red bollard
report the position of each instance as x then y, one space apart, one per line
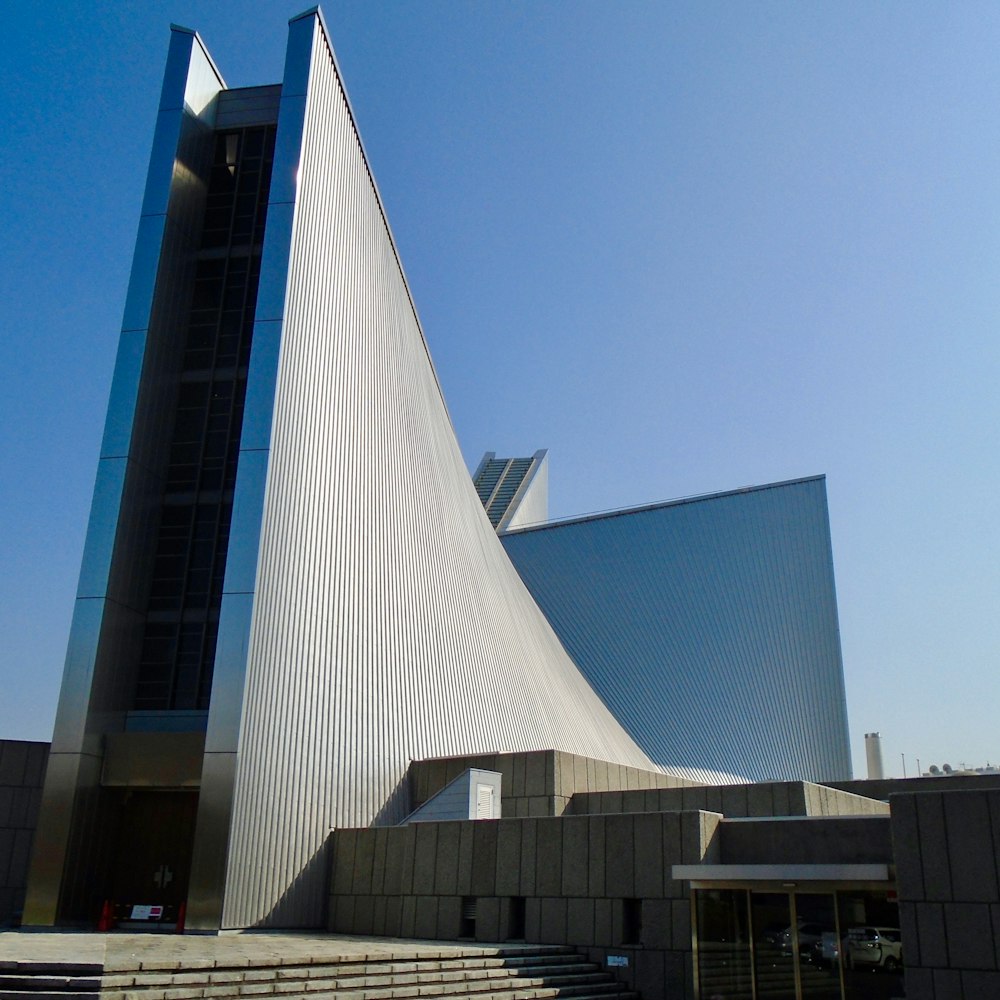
181 914
107 917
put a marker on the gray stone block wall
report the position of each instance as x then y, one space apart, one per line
882 788
575 875
812 840
946 845
22 773
781 798
540 782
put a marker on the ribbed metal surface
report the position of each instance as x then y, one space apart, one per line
106 634
708 626
388 623
530 504
244 106
513 491
491 471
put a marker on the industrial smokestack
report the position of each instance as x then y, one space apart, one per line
873 751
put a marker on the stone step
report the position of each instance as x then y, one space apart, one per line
471 986
602 991
536 973
375 976
480 986
474 987
592 982
69 970
352 977
42 994
361 968
60 984
556 955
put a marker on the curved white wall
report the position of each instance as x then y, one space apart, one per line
388 622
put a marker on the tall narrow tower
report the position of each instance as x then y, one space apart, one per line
289 586
513 491
873 753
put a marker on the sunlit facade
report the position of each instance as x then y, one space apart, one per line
289 588
707 625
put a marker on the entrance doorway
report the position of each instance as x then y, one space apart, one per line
768 942
152 864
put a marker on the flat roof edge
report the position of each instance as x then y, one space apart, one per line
306 13
660 504
781 873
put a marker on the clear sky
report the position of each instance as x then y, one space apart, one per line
686 247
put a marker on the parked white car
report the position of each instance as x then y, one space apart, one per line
877 946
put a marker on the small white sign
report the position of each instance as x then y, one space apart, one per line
617 961
146 913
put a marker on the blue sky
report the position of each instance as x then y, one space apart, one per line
686 247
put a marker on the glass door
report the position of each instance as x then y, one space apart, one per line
760 945
723 944
774 944
817 953
871 945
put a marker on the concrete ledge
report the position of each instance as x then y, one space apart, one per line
782 873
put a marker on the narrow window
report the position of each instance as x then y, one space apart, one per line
631 921
468 924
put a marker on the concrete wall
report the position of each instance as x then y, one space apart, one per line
22 772
884 787
816 840
574 874
947 850
537 783
779 798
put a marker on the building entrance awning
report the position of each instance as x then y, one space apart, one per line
781 873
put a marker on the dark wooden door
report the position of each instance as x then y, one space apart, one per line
153 862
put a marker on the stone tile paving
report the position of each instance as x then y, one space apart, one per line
121 951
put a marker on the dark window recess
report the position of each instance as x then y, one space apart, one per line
467 923
631 921
516 919
185 592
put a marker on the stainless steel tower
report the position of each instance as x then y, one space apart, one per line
289 586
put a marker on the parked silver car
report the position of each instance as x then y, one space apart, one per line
876 946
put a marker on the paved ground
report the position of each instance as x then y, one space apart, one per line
121 951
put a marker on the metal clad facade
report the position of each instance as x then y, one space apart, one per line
387 622
514 491
98 677
708 626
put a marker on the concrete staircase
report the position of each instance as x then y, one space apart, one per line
43 979
501 974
